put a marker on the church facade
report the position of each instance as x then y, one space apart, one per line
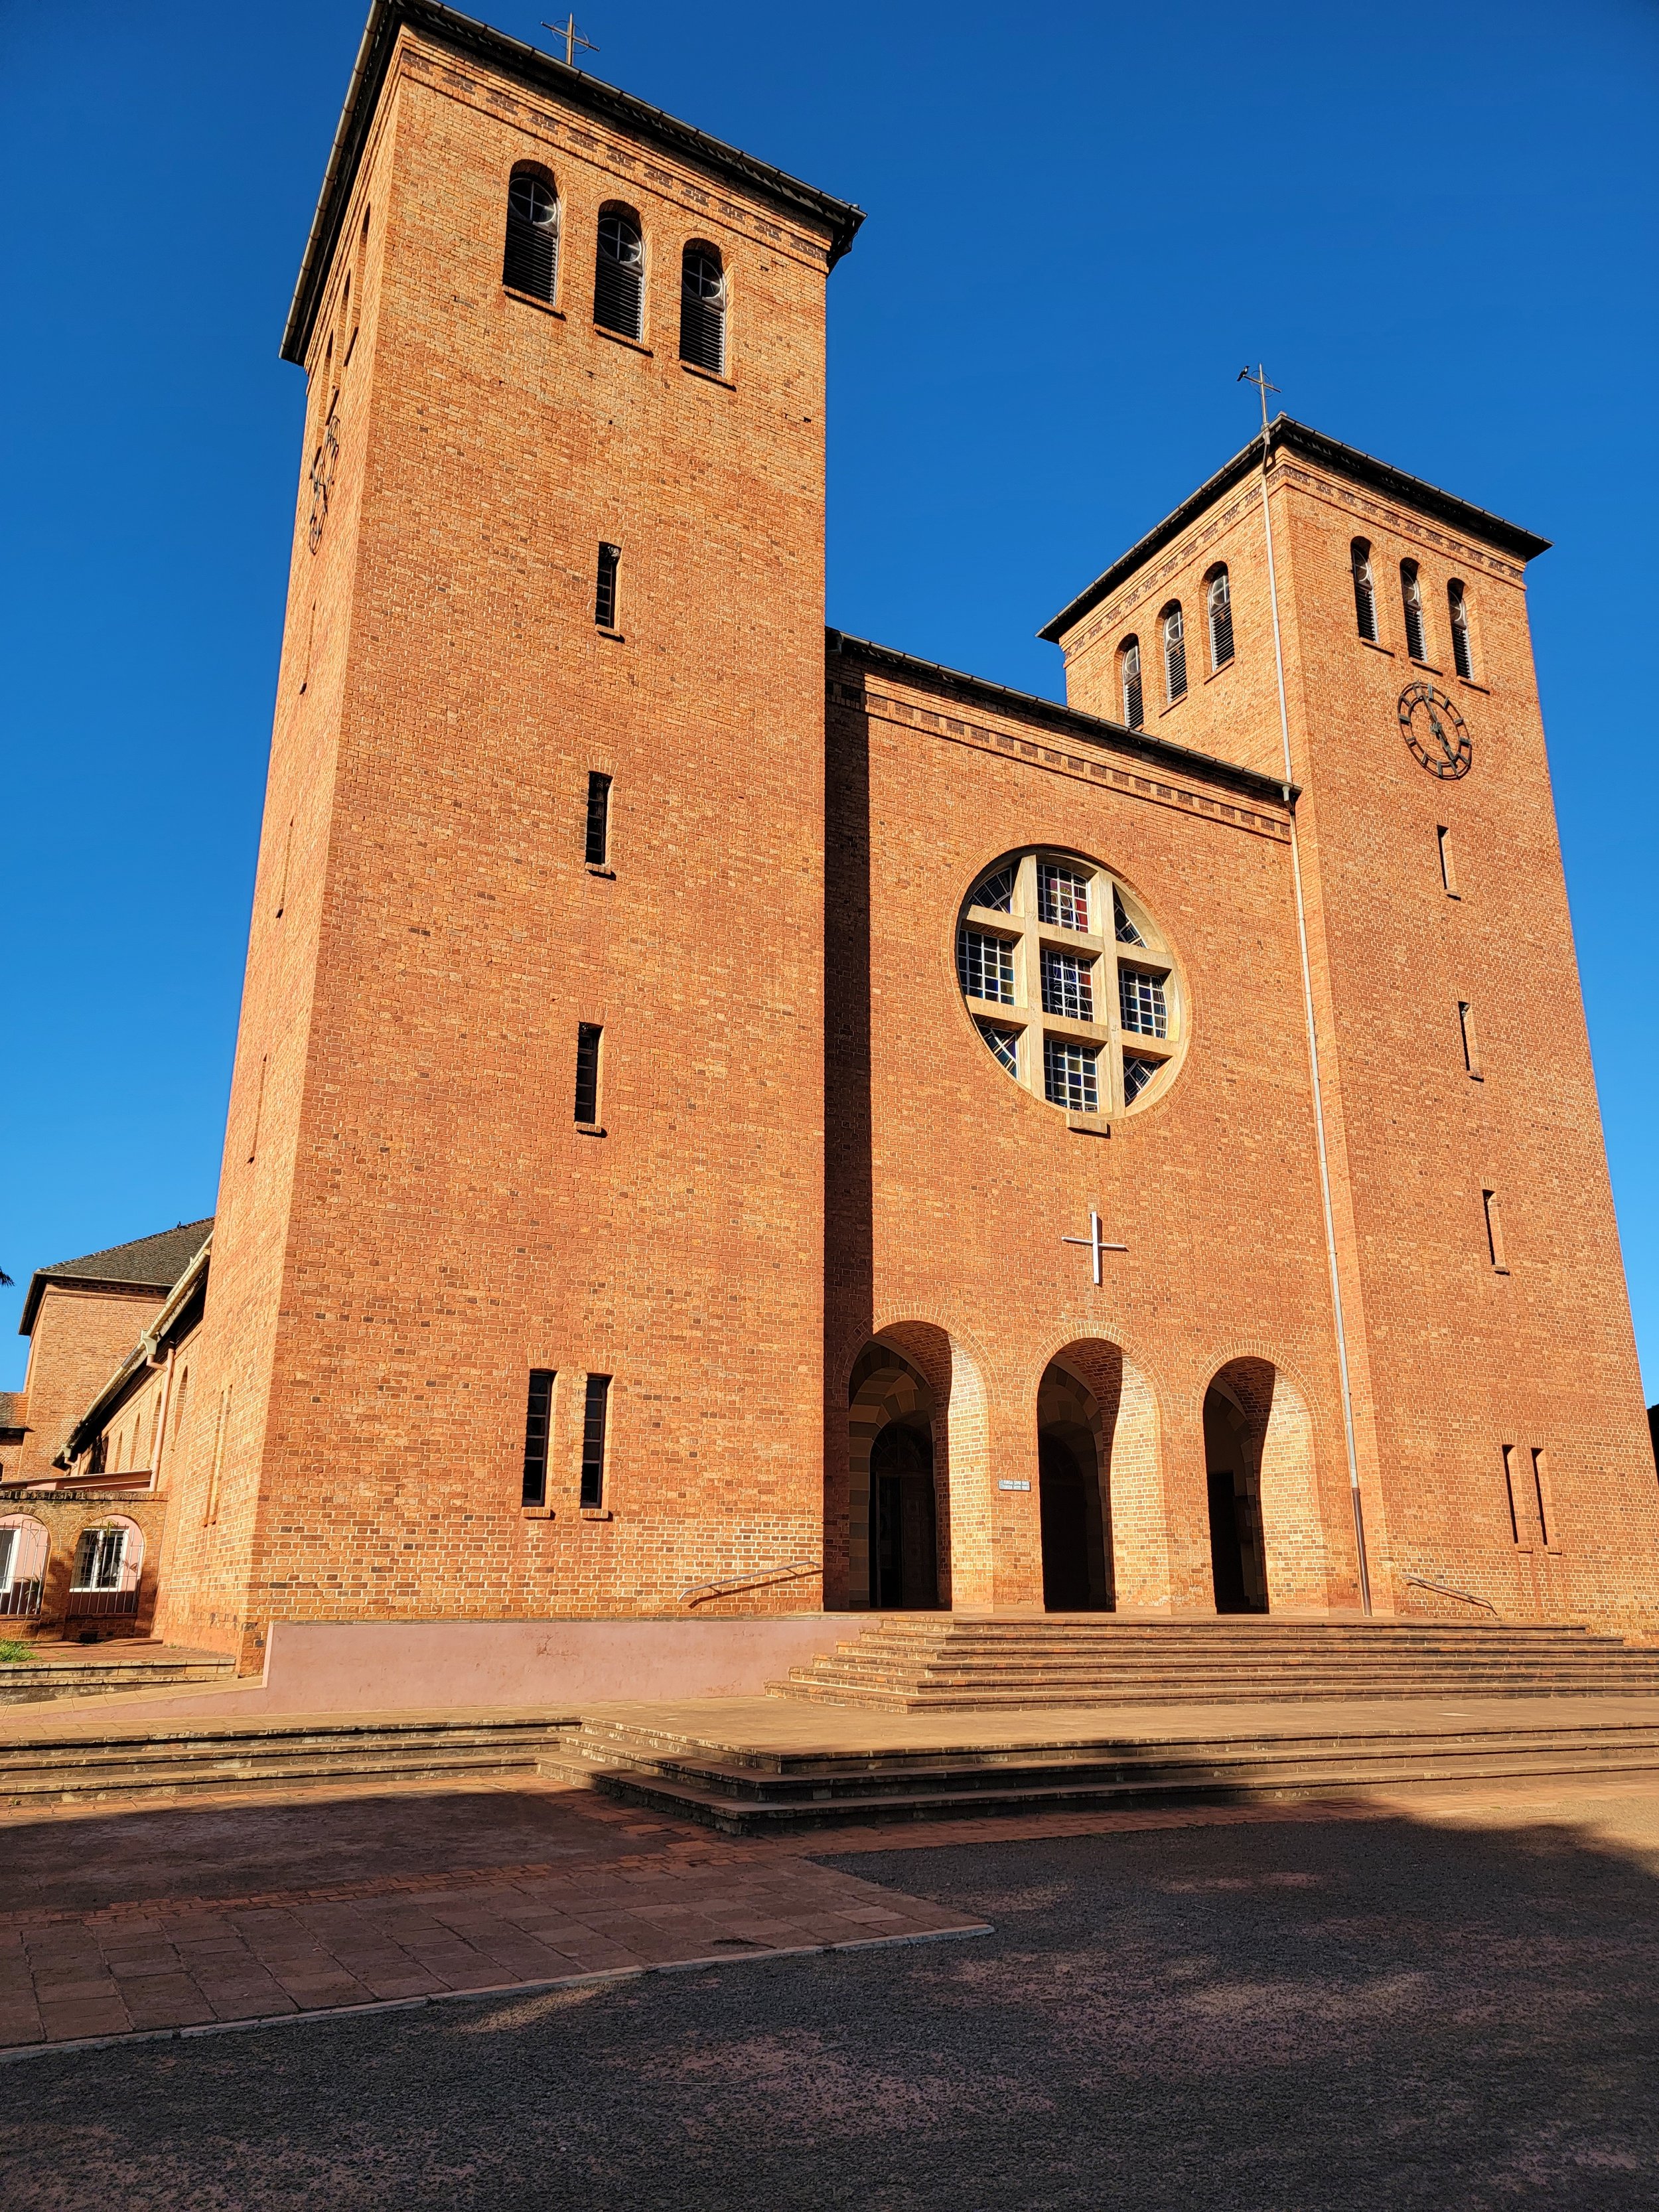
728 1116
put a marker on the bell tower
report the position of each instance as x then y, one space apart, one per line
516 1299
1498 1430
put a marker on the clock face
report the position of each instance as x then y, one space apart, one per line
1435 731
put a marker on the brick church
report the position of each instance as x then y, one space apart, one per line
729 1117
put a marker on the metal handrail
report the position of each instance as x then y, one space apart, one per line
750 1582
1421 1581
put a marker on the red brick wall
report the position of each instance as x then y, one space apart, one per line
80 1338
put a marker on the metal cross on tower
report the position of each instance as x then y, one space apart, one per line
1096 1243
572 37
1260 380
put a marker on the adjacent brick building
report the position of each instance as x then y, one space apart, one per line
719 1125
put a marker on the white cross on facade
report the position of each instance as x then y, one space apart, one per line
1096 1243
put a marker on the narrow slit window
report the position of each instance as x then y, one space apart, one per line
619 275
1364 590
702 309
536 1423
1540 1485
1457 611
1447 872
1220 601
1410 603
1508 1493
1471 1047
1175 656
1494 1231
605 587
1071 1076
599 818
594 1410
587 1072
529 257
1134 704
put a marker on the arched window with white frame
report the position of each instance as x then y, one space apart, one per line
703 307
1219 607
530 257
24 1545
1128 682
1457 611
1364 590
1173 624
619 273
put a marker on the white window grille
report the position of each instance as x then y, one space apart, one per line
1411 596
1134 705
1365 591
1070 1077
99 1558
1062 897
1067 985
619 277
1457 607
1175 656
994 893
985 966
1144 1008
702 309
529 261
1004 1043
1137 1074
1221 619
1123 928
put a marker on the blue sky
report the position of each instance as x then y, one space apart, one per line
1437 229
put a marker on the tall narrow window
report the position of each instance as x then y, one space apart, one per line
587 1072
536 1421
530 260
1448 872
702 308
1175 656
1508 1493
1134 711
1540 1490
1494 1231
1471 1047
1411 602
1219 600
605 587
599 818
593 1413
1364 589
1457 611
619 275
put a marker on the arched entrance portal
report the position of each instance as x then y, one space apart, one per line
894 1509
1231 1457
1075 1516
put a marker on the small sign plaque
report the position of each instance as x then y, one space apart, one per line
1003 1483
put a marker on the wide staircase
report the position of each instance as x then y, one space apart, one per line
45 1672
916 1664
944 1718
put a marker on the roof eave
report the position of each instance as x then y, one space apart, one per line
1344 460
511 56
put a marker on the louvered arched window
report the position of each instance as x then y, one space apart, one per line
529 261
1410 601
702 308
1218 606
619 275
1364 589
1174 654
1129 669
1457 607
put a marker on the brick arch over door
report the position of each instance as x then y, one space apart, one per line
1278 1433
1131 1468
886 1388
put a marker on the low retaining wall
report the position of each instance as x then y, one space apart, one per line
391 1666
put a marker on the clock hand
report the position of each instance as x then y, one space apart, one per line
1439 727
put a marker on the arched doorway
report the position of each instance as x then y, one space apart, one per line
893 1506
1238 1563
1074 1513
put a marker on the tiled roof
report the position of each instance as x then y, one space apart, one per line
151 1263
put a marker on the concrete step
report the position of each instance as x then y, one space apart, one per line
87 1764
52 1672
742 1792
